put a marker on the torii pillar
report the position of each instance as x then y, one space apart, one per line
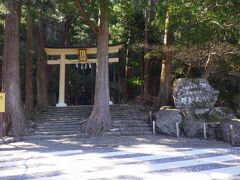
61 96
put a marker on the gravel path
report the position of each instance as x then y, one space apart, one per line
141 157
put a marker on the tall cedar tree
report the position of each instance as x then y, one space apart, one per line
146 60
148 18
29 64
100 118
165 79
11 78
42 98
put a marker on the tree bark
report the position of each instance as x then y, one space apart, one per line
148 17
14 115
125 92
146 60
29 66
100 118
165 79
42 99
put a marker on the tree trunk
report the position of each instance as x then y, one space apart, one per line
148 17
29 67
165 79
146 60
125 92
93 70
100 118
42 99
11 78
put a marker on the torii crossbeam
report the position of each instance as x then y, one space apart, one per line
58 56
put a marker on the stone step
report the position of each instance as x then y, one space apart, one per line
123 117
62 115
127 126
47 114
77 129
58 127
127 133
132 129
130 121
89 111
47 137
66 119
78 124
63 122
65 132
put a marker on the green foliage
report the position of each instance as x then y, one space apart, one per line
3 9
194 26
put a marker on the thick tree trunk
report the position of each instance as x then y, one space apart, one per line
42 99
146 60
100 118
93 75
29 68
11 78
165 79
148 17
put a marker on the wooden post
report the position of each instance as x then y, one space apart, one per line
1 125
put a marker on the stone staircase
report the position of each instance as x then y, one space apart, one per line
66 122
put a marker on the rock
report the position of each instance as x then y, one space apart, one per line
211 129
166 121
219 114
194 94
202 113
166 107
192 126
223 131
1 141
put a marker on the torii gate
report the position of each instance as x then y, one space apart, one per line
62 60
